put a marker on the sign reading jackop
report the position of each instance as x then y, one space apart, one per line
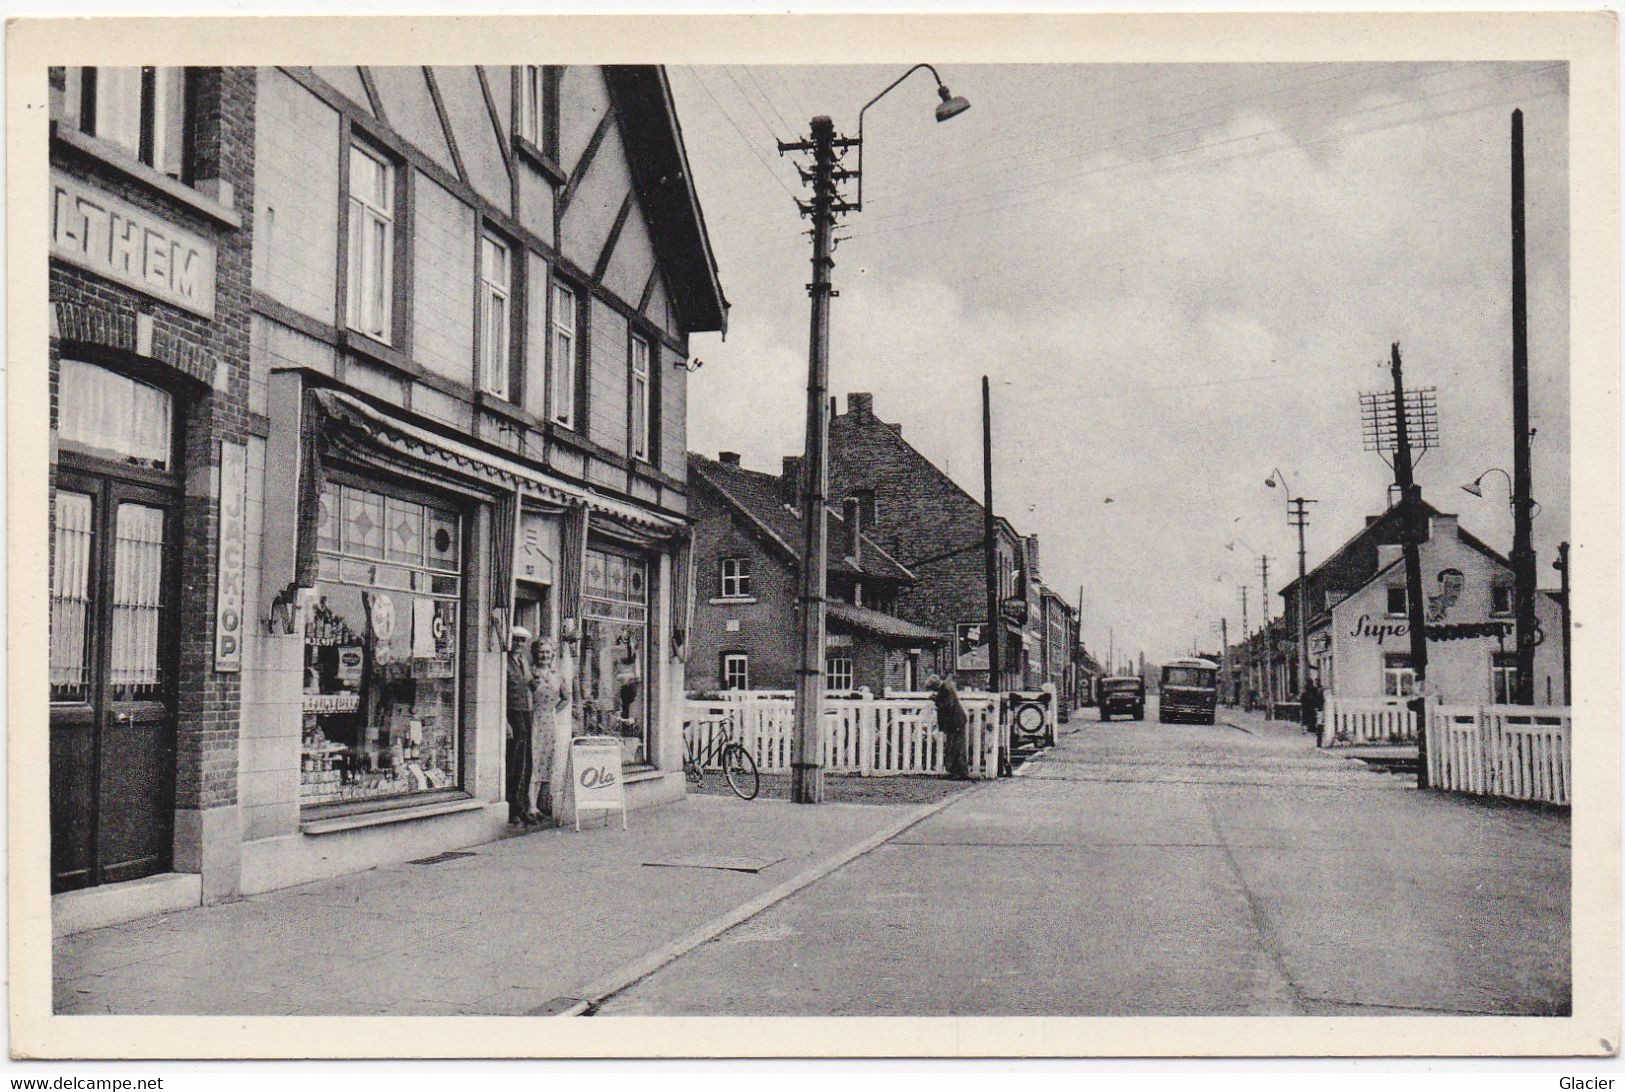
228 614
112 237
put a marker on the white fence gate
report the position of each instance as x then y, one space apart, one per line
1362 722
1518 752
871 737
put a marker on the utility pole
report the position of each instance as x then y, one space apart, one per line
990 548
1224 656
1523 551
807 764
1412 532
1268 669
1562 566
1299 518
1246 647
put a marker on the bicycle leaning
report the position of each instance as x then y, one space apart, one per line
721 749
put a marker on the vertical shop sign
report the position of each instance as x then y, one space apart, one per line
228 615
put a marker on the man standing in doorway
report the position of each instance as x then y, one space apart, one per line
520 703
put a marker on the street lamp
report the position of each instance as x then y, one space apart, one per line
807 784
1297 516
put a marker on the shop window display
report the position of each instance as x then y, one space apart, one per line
614 651
381 650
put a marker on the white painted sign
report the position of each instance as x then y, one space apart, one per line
228 614
595 771
112 237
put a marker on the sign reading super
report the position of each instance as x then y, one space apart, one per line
112 237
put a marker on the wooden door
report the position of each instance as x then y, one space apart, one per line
112 663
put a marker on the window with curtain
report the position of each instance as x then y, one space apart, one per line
370 281
641 403
539 108
562 355
70 597
496 314
118 417
141 110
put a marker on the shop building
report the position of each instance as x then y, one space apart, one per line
933 527
747 569
1358 628
459 403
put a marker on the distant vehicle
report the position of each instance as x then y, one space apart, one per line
1189 691
1122 694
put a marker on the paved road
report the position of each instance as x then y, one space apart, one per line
1147 869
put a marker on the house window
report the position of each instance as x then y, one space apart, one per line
372 243
1398 676
1504 676
141 110
735 577
1396 602
1501 599
735 671
640 402
539 108
838 674
563 355
496 314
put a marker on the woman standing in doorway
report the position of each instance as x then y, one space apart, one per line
551 703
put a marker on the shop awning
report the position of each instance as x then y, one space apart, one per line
418 442
884 626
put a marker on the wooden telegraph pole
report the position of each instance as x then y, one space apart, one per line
1523 551
1267 672
990 548
1413 531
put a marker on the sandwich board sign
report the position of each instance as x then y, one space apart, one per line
595 772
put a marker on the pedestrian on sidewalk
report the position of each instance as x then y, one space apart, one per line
951 722
550 730
1312 698
520 705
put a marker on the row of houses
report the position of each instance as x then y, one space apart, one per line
350 369
1358 633
907 575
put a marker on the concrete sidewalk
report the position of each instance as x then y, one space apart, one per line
517 926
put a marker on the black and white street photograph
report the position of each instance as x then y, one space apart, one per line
949 536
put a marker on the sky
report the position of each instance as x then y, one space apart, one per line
1179 278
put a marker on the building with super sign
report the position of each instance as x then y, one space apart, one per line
1359 633
747 565
352 369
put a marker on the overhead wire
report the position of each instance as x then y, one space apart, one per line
866 229
746 141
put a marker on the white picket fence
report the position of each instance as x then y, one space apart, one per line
1362 722
868 736
1518 752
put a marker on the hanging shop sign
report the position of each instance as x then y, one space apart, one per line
971 646
595 769
228 612
111 237
1014 609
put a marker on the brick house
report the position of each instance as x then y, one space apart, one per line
420 336
747 566
932 526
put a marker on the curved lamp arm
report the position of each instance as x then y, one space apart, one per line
950 107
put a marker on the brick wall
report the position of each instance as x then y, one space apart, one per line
98 317
767 628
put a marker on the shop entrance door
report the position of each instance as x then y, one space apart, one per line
112 668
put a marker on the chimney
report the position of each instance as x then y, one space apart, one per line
1032 559
790 481
852 525
861 406
728 458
